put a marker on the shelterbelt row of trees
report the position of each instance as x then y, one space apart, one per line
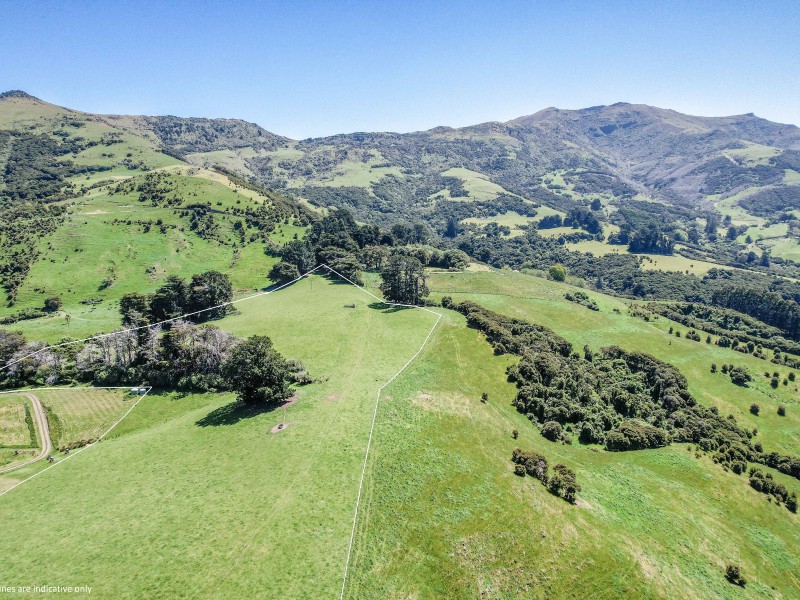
618 399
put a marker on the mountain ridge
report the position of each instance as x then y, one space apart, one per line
537 116
554 157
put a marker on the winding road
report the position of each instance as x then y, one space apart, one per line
44 434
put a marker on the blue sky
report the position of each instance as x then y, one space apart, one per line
307 68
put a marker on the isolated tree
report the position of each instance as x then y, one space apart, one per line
207 291
733 573
404 280
257 372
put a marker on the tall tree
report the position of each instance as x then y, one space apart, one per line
207 291
404 280
169 301
258 373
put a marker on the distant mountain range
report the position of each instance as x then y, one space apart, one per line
552 157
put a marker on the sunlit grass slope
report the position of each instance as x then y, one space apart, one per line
187 499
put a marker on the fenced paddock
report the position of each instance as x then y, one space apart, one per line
82 414
14 429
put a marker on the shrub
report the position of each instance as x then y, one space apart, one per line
754 409
552 431
563 483
558 273
52 304
733 573
739 375
781 410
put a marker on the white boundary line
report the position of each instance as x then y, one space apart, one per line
375 415
71 454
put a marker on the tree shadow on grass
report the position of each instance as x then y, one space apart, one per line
232 413
388 308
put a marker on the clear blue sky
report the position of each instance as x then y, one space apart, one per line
303 68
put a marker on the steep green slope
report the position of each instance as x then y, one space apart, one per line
445 516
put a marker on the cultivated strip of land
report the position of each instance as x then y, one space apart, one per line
43 427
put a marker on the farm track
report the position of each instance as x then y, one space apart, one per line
44 434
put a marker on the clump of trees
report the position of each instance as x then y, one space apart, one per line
199 298
766 484
583 299
184 356
346 247
622 400
404 280
562 482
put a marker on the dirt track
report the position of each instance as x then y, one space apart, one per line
44 433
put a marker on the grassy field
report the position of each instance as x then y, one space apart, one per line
14 430
189 498
83 413
445 516
477 185
542 301
236 510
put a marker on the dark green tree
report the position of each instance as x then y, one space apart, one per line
169 300
283 272
52 304
343 262
207 291
404 280
300 254
257 372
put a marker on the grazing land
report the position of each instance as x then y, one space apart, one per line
14 430
232 497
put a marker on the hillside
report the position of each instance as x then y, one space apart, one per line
620 150
95 206
216 490
596 394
